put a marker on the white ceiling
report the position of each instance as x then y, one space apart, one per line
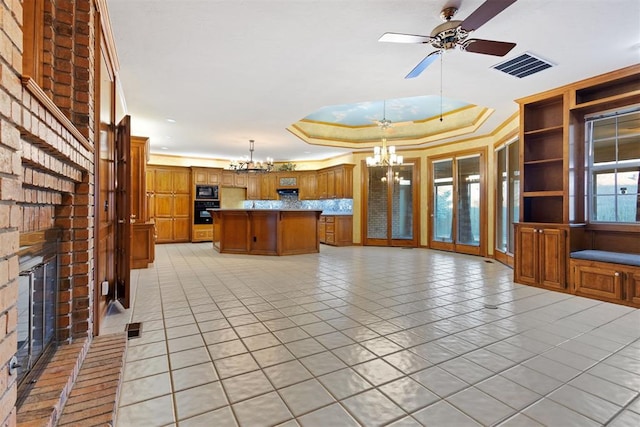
232 70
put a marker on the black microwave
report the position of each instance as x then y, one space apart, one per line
207 192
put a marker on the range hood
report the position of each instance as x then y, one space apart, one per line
288 191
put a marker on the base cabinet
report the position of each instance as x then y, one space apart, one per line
336 230
202 233
540 257
142 244
605 281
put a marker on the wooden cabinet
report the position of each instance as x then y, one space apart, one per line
143 244
541 255
206 176
172 203
267 231
253 187
202 233
308 185
606 281
336 230
335 182
234 179
268 187
142 228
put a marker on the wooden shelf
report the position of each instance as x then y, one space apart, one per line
543 161
544 131
625 98
553 193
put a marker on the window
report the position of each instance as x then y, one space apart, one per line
614 167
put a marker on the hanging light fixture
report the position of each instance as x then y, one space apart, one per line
383 155
247 164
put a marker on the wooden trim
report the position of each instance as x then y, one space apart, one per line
36 91
621 228
107 34
33 36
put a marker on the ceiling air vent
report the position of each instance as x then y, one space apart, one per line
523 65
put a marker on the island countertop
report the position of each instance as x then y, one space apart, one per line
266 231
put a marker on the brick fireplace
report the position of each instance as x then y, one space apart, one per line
47 181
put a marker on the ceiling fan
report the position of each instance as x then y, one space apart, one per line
452 33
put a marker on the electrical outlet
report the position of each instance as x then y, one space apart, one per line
105 287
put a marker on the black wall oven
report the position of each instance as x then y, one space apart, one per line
200 214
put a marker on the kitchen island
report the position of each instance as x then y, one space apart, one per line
266 231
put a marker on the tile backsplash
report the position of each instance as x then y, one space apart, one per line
334 206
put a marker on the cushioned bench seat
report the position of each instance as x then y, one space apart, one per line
606 256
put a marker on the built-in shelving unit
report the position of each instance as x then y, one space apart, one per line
543 160
553 219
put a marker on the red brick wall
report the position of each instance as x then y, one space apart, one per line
47 168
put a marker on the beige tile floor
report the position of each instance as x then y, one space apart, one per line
369 336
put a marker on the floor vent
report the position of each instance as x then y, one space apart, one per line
523 65
133 330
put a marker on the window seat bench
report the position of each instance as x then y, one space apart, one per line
606 275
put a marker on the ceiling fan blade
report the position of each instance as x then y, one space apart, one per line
484 13
488 47
404 38
422 65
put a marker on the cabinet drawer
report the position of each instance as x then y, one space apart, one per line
597 280
330 228
330 238
330 219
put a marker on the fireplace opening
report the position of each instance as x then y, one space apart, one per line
37 306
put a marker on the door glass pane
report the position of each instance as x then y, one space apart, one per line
377 203
514 191
443 201
502 201
402 202
469 201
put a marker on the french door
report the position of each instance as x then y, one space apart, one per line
391 206
458 213
507 200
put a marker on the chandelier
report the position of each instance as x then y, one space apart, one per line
383 155
247 164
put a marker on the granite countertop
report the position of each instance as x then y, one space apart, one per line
263 210
337 213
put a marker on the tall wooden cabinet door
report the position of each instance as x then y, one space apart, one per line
181 230
163 180
182 181
331 184
322 184
163 205
526 266
308 186
151 194
181 205
552 258
253 187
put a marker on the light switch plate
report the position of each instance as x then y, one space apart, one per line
105 287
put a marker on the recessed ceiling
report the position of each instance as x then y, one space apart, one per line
228 71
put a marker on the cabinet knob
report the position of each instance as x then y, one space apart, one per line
617 274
